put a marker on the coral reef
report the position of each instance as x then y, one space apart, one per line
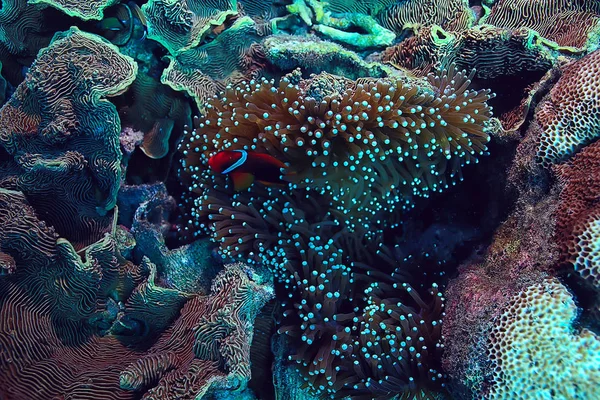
65 303
342 217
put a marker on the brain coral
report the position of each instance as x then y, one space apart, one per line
571 24
85 10
536 351
234 55
62 137
182 25
64 327
370 144
568 116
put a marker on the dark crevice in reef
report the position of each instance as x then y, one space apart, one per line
452 226
509 89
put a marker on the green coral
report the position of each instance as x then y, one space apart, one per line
314 55
86 10
339 27
204 70
180 25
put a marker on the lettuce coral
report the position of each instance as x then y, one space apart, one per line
58 312
182 25
234 55
63 136
491 51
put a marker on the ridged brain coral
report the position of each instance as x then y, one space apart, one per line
571 24
58 312
568 116
537 353
62 135
370 144
85 10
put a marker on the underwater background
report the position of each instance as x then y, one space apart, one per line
299 199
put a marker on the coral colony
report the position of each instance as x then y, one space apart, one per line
300 199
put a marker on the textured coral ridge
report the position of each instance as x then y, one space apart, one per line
181 25
535 346
63 136
568 117
53 306
85 10
574 24
369 144
492 51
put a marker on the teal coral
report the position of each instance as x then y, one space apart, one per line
203 71
86 10
355 29
182 25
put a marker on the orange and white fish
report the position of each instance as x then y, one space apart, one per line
245 167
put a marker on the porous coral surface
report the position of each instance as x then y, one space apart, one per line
534 345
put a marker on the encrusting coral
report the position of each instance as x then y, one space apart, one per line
567 117
578 215
63 136
535 346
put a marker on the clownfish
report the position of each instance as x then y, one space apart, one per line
245 167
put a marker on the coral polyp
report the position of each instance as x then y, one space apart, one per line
371 145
